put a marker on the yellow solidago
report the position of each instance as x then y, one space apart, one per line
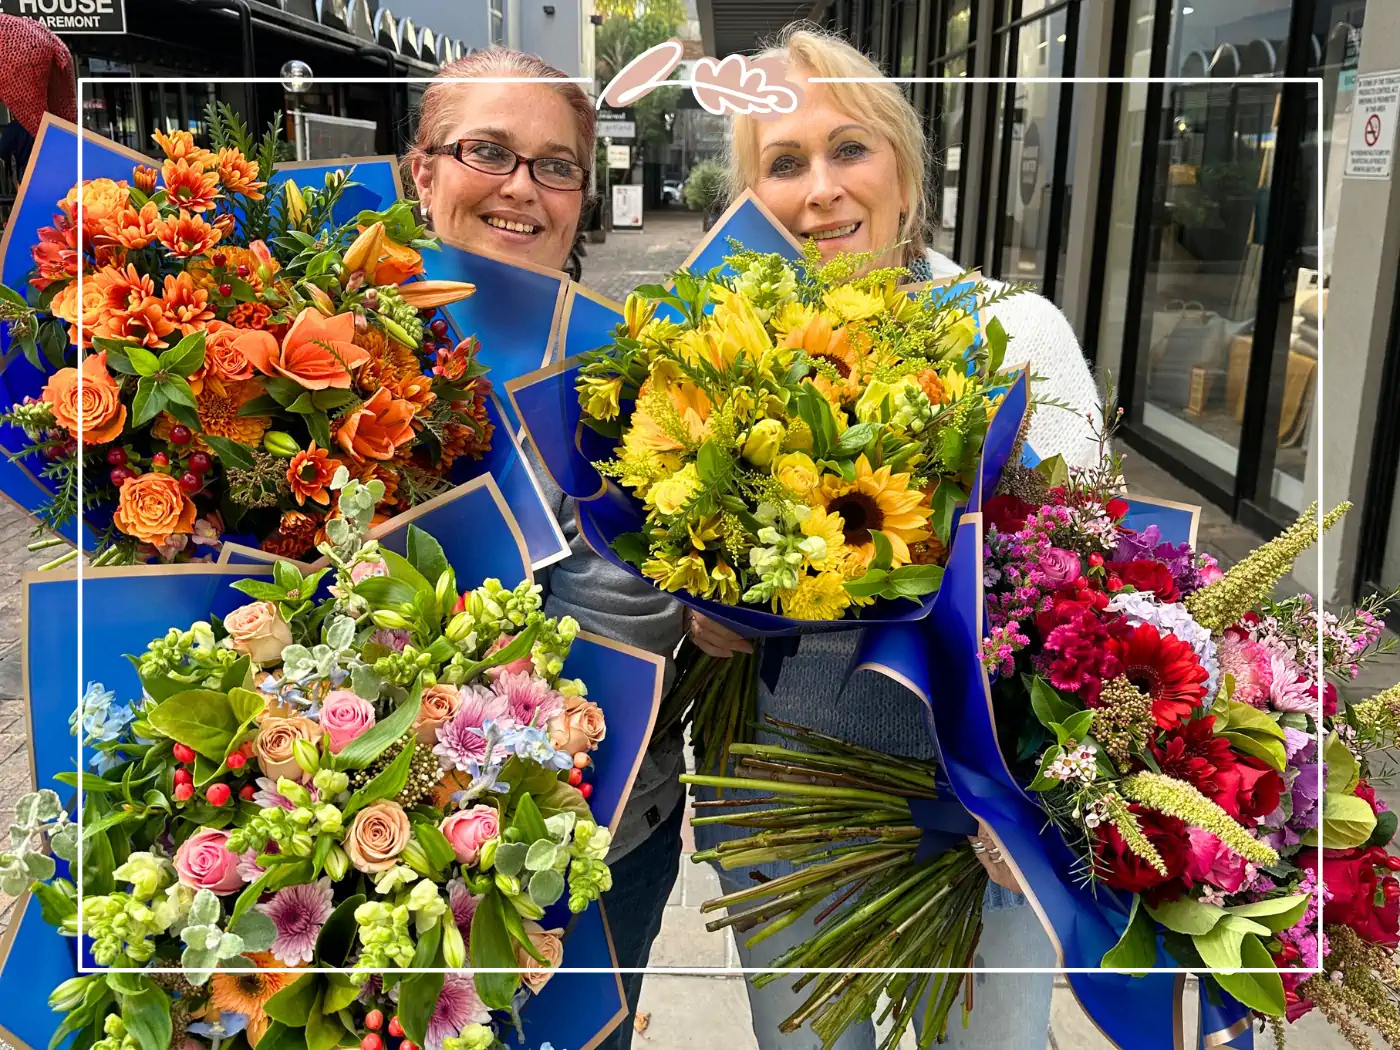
853 304
1378 717
1222 603
819 597
1177 798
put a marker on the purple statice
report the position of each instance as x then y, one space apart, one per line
298 912
458 1005
391 638
1148 545
530 700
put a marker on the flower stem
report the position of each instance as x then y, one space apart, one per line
62 559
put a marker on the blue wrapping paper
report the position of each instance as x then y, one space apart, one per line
514 313
124 608
376 183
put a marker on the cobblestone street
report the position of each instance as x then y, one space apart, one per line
680 1011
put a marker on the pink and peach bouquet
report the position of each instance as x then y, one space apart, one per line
365 776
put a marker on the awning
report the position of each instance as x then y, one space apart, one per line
742 26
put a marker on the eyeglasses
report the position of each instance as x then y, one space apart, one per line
553 173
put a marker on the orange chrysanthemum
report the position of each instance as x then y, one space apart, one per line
134 229
187 235
417 390
219 404
309 472
123 305
296 535
145 178
250 315
187 305
247 991
188 185
466 439
238 174
180 145
388 364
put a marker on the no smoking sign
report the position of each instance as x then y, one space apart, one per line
1371 141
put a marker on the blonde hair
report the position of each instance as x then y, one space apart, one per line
881 106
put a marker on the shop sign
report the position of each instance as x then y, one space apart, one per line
1371 142
71 16
617 124
627 207
619 157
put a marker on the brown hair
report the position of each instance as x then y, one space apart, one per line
811 50
437 114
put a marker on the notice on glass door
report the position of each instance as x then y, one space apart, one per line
1371 143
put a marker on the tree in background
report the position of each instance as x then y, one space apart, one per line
629 28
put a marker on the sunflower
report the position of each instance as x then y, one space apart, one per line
247 991
876 500
829 346
819 597
218 405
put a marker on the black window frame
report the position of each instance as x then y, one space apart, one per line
935 111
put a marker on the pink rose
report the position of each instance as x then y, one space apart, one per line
204 862
468 830
1059 567
580 728
344 716
363 570
1211 861
258 630
440 703
550 944
524 665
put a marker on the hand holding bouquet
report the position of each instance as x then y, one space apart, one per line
238 346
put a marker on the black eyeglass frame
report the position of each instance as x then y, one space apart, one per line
455 150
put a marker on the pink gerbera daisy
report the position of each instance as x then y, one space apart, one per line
532 702
298 912
458 1005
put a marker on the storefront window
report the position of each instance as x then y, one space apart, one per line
953 52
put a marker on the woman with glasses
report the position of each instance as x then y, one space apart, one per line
502 169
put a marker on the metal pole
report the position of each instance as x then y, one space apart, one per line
607 183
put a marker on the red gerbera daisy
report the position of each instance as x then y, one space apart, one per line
1163 667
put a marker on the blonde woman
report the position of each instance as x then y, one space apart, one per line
502 168
847 168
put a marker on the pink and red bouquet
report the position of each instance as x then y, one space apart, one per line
1167 715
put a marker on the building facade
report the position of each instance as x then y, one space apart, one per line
1199 233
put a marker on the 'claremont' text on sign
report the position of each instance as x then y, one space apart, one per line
71 16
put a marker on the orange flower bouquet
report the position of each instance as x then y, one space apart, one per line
216 349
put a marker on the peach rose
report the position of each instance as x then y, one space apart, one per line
152 507
203 862
550 944
377 836
273 746
377 428
580 728
259 630
103 414
468 830
316 352
229 351
440 702
344 716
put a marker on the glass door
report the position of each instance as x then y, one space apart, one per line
948 116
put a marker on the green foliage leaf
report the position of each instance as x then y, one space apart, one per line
1343 772
324 1030
147 1018
425 554
1245 717
1137 948
256 929
1258 991
510 858
435 845
383 592
386 784
372 743
528 819
1042 782
854 439
1347 821
186 356
1385 829
337 936
712 464
1276 913
1262 747
418 992
884 552
150 399
1188 916
490 946
996 339
947 497
1075 728
1220 947
142 360
199 718
1049 706
632 548
546 887
294 1003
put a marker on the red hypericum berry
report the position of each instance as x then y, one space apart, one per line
1391 891
371 1042
1096 560
576 776
1393 863
160 459
119 476
1114 584
395 1029
184 792
218 258
200 462
246 792
180 434
408 1044
247 749
217 794
586 790
236 760
1081 584
581 760
243 270
225 290
191 482
182 776
439 327
184 753
116 455
374 1020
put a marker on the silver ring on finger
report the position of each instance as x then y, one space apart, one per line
979 847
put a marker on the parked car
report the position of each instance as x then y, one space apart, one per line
671 191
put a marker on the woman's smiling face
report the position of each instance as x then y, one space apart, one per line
828 176
510 215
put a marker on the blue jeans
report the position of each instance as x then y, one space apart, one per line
1011 1011
642 882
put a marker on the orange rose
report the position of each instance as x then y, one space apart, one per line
377 836
316 352
103 200
378 427
229 352
550 944
153 507
102 413
580 728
